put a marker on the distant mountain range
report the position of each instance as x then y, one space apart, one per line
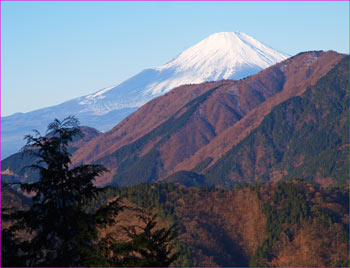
289 120
227 55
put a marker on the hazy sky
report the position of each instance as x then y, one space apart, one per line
55 51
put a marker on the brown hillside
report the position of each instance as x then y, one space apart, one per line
312 246
290 224
191 123
223 229
148 117
293 224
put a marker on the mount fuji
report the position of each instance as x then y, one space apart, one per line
224 55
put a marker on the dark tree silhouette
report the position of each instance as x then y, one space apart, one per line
146 246
62 234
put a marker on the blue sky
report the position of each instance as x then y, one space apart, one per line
54 51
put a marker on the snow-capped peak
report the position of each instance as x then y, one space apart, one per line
224 55
225 50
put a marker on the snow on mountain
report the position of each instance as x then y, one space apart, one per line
225 55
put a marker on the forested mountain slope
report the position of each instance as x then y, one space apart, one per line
306 137
287 224
192 127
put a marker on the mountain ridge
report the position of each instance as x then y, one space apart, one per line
296 88
147 135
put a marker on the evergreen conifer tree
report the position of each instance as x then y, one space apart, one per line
147 245
62 233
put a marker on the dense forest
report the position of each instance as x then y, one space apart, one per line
248 225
